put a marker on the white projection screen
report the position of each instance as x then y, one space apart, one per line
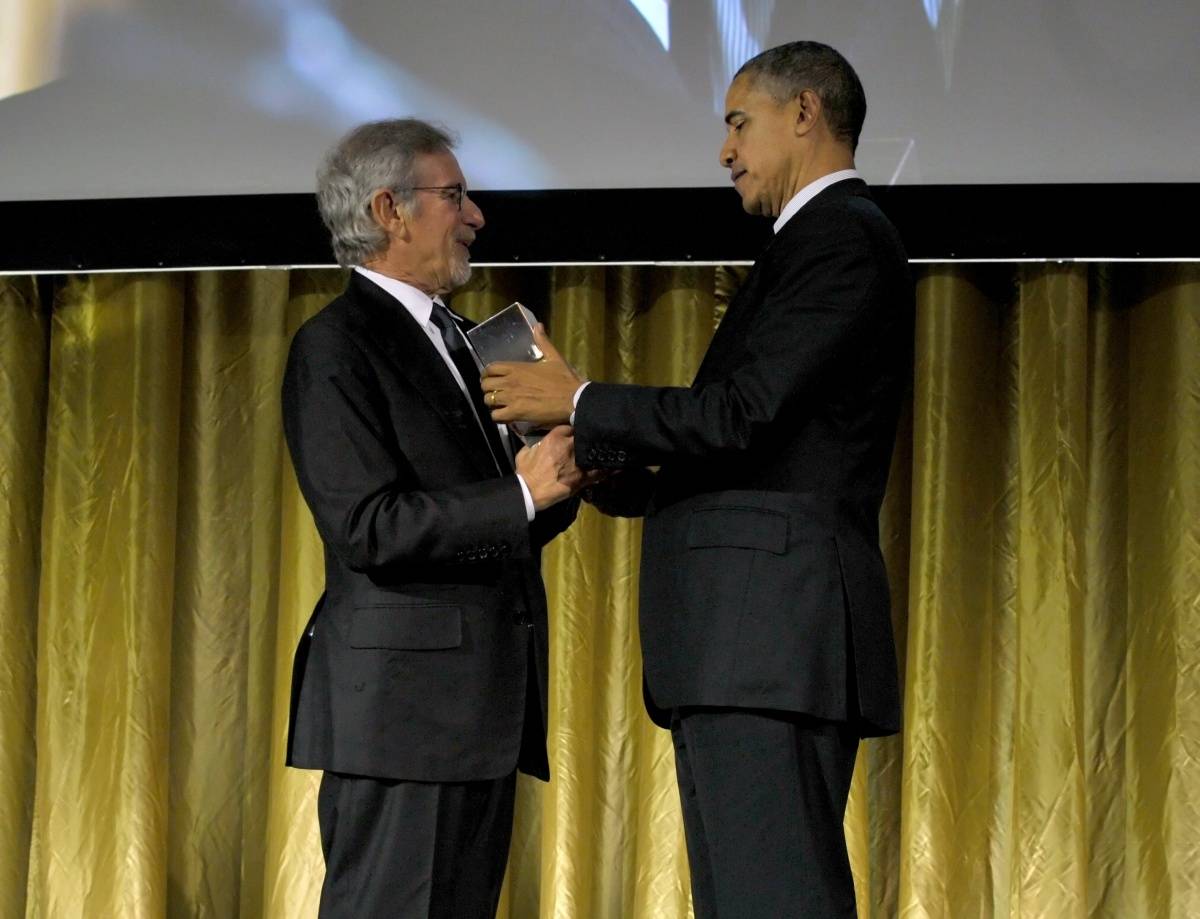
148 98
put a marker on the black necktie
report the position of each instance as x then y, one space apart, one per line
460 354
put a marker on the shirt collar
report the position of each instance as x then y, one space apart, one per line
810 191
418 303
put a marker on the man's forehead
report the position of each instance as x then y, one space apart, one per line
744 93
439 168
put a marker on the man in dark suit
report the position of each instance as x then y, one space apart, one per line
419 685
764 606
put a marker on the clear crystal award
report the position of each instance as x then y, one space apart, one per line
508 336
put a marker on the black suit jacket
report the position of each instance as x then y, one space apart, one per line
762 581
415 664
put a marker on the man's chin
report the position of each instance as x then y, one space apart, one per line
461 274
752 205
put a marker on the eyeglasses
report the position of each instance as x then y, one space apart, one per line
453 192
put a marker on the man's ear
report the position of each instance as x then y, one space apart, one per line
389 214
808 111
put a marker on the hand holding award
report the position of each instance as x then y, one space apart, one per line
530 383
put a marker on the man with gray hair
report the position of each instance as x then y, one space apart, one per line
766 637
419 685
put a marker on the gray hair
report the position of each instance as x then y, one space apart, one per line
787 70
379 154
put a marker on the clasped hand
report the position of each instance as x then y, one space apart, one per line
549 469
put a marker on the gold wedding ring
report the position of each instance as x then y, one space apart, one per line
491 398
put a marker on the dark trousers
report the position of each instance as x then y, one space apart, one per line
413 850
764 795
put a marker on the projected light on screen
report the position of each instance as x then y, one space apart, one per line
657 16
741 29
31 33
317 55
321 52
943 19
128 98
320 57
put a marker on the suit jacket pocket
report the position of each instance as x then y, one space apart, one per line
426 627
738 527
725 545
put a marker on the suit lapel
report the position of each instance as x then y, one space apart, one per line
741 307
393 329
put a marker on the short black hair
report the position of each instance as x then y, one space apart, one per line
787 70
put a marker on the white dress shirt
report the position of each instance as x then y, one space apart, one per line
420 306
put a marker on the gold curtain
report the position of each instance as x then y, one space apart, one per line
1042 529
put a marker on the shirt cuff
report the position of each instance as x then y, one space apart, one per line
530 510
575 400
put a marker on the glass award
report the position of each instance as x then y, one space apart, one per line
508 336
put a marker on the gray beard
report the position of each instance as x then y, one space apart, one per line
460 273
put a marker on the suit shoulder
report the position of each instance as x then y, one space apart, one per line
826 219
331 316
331 333
851 212
870 217
855 220
818 230
335 319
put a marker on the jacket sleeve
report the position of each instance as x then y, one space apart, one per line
553 520
626 493
812 318
358 483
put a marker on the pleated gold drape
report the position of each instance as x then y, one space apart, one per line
1042 529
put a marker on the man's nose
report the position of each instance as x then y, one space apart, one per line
726 156
472 216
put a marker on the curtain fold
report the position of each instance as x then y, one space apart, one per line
227 559
1041 528
24 338
1162 705
104 615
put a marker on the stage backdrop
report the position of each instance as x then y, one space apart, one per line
1042 530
